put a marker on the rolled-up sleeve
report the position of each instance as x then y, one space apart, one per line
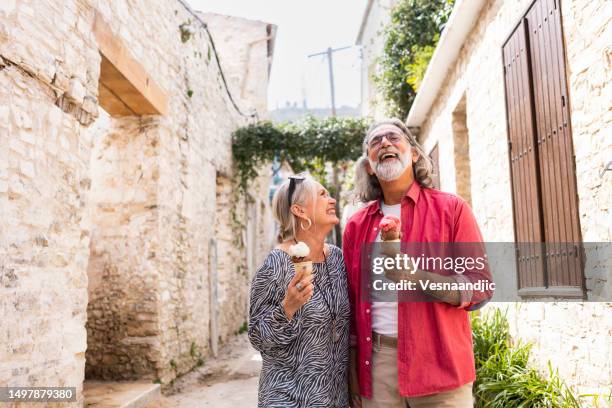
269 328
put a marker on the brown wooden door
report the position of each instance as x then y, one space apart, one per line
542 163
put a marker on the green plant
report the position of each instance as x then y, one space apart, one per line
503 377
194 352
186 31
243 329
324 147
410 38
416 69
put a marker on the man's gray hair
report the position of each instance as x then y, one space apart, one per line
367 187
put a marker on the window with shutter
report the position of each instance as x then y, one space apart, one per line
542 167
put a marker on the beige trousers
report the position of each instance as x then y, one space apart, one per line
385 392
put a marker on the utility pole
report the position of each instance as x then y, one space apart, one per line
330 64
335 177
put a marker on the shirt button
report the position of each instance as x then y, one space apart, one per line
368 311
375 228
367 362
368 339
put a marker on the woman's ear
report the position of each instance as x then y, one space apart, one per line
297 211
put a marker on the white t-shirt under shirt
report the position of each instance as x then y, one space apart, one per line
384 314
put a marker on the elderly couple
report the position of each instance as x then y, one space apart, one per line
317 334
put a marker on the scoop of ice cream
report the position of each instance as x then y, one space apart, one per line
299 250
390 222
390 228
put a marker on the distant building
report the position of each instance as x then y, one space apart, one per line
292 113
376 16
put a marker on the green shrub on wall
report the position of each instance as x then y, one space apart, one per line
410 39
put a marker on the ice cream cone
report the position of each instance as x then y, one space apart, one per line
303 269
390 234
299 252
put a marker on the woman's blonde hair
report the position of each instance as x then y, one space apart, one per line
367 187
305 192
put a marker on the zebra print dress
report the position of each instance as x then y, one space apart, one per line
302 365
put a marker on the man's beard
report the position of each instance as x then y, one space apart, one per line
391 169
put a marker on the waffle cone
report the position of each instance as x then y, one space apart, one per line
303 269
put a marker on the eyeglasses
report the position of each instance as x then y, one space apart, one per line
293 180
376 141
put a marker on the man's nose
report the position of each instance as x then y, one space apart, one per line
385 142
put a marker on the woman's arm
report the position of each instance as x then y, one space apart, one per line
269 327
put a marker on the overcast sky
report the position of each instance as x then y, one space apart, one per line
305 27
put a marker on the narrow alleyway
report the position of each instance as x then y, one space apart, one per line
230 380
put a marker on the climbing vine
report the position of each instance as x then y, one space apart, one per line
309 145
410 39
323 147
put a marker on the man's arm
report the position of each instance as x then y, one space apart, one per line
450 296
465 231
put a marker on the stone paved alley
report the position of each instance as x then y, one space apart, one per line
230 380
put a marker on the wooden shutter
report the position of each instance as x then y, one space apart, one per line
434 155
523 159
555 150
541 154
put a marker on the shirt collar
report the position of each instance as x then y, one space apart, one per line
413 193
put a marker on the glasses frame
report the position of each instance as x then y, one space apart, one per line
385 136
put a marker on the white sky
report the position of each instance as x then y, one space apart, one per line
305 27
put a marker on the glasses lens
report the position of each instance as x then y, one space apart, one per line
375 141
393 138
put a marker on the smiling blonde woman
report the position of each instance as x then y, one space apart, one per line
301 325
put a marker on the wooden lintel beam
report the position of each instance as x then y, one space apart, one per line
125 88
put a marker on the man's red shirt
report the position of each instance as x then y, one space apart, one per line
434 339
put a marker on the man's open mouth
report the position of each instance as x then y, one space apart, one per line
388 156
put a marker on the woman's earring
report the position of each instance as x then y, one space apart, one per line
309 224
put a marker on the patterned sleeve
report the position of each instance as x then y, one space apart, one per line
269 328
347 259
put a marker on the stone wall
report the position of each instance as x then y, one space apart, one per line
118 210
243 45
45 103
573 336
43 243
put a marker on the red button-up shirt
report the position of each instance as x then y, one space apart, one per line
434 339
